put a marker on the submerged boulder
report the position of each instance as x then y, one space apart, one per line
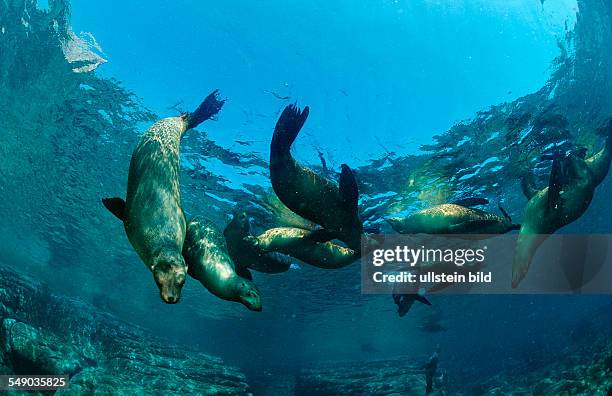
42 333
30 351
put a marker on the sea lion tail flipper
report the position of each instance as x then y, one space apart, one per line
470 202
206 110
422 299
287 128
116 206
321 235
349 192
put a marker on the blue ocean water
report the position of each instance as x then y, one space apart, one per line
427 100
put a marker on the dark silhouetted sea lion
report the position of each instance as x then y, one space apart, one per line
570 189
404 301
310 195
207 259
430 370
245 255
151 213
295 242
454 218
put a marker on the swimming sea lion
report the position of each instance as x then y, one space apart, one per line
152 215
571 187
245 254
310 195
207 260
430 370
404 301
295 242
454 218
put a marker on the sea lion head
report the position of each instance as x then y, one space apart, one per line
169 274
249 295
239 227
241 222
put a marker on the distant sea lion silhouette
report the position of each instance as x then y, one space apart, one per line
245 255
152 215
570 189
310 195
295 242
454 218
405 301
207 260
430 370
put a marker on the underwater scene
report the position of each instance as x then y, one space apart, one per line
193 194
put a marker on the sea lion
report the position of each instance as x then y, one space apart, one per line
404 301
207 260
295 242
245 254
151 213
430 370
454 218
570 189
310 195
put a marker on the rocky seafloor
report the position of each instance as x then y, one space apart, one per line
42 333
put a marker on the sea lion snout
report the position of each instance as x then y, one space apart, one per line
249 295
170 278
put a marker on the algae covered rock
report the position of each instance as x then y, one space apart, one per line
42 333
30 351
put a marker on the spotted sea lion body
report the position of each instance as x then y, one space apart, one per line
448 219
295 242
151 213
205 253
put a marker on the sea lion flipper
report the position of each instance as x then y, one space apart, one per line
206 110
287 128
116 206
422 299
470 202
349 192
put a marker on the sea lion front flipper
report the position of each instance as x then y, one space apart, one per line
287 128
116 206
349 192
422 299
470 202
507 217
